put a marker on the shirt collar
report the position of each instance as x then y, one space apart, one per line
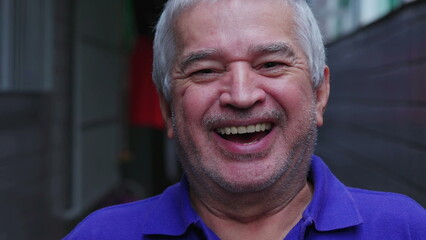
173 213
332 206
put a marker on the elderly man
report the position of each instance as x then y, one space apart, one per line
244 86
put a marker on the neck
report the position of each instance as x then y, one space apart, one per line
269 214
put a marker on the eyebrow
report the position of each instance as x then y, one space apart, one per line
196 56
278 47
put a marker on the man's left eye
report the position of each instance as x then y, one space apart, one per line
271 64
204 71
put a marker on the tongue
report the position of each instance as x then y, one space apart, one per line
245 138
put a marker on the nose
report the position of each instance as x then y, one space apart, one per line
242 88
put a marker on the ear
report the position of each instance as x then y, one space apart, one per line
322 92
167 116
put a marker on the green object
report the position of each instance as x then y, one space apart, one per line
344 3
130 28
395 3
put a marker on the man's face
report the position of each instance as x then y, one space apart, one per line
243 110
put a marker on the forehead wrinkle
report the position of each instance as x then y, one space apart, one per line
195 56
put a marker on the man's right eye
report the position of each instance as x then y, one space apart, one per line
204 75
203 71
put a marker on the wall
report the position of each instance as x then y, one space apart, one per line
34 146
99 76
39 165
24 175
375 126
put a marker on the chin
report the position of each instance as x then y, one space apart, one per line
245 184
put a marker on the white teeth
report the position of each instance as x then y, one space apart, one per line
234 130
242 130
268 126
251 129
260 127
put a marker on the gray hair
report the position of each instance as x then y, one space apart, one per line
165 43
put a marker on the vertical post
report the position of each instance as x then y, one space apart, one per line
6 25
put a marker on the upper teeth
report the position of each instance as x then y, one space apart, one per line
244 129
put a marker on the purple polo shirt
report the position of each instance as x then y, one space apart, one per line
335 212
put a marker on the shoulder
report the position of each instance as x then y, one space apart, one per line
390 212
122 213
384 201
124 221
114 222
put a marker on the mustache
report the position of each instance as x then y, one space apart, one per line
212 120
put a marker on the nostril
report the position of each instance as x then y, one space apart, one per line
225 99
242 100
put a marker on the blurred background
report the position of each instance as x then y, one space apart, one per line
80 126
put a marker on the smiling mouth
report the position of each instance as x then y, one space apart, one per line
248 134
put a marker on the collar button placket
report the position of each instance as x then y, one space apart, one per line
306 223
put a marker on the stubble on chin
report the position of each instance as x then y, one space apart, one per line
295 163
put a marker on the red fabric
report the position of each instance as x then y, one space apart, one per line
144 102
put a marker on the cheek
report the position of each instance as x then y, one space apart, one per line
196 100
293 98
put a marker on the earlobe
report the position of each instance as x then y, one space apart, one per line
322 94
166 112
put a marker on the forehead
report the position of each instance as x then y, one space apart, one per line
235 24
